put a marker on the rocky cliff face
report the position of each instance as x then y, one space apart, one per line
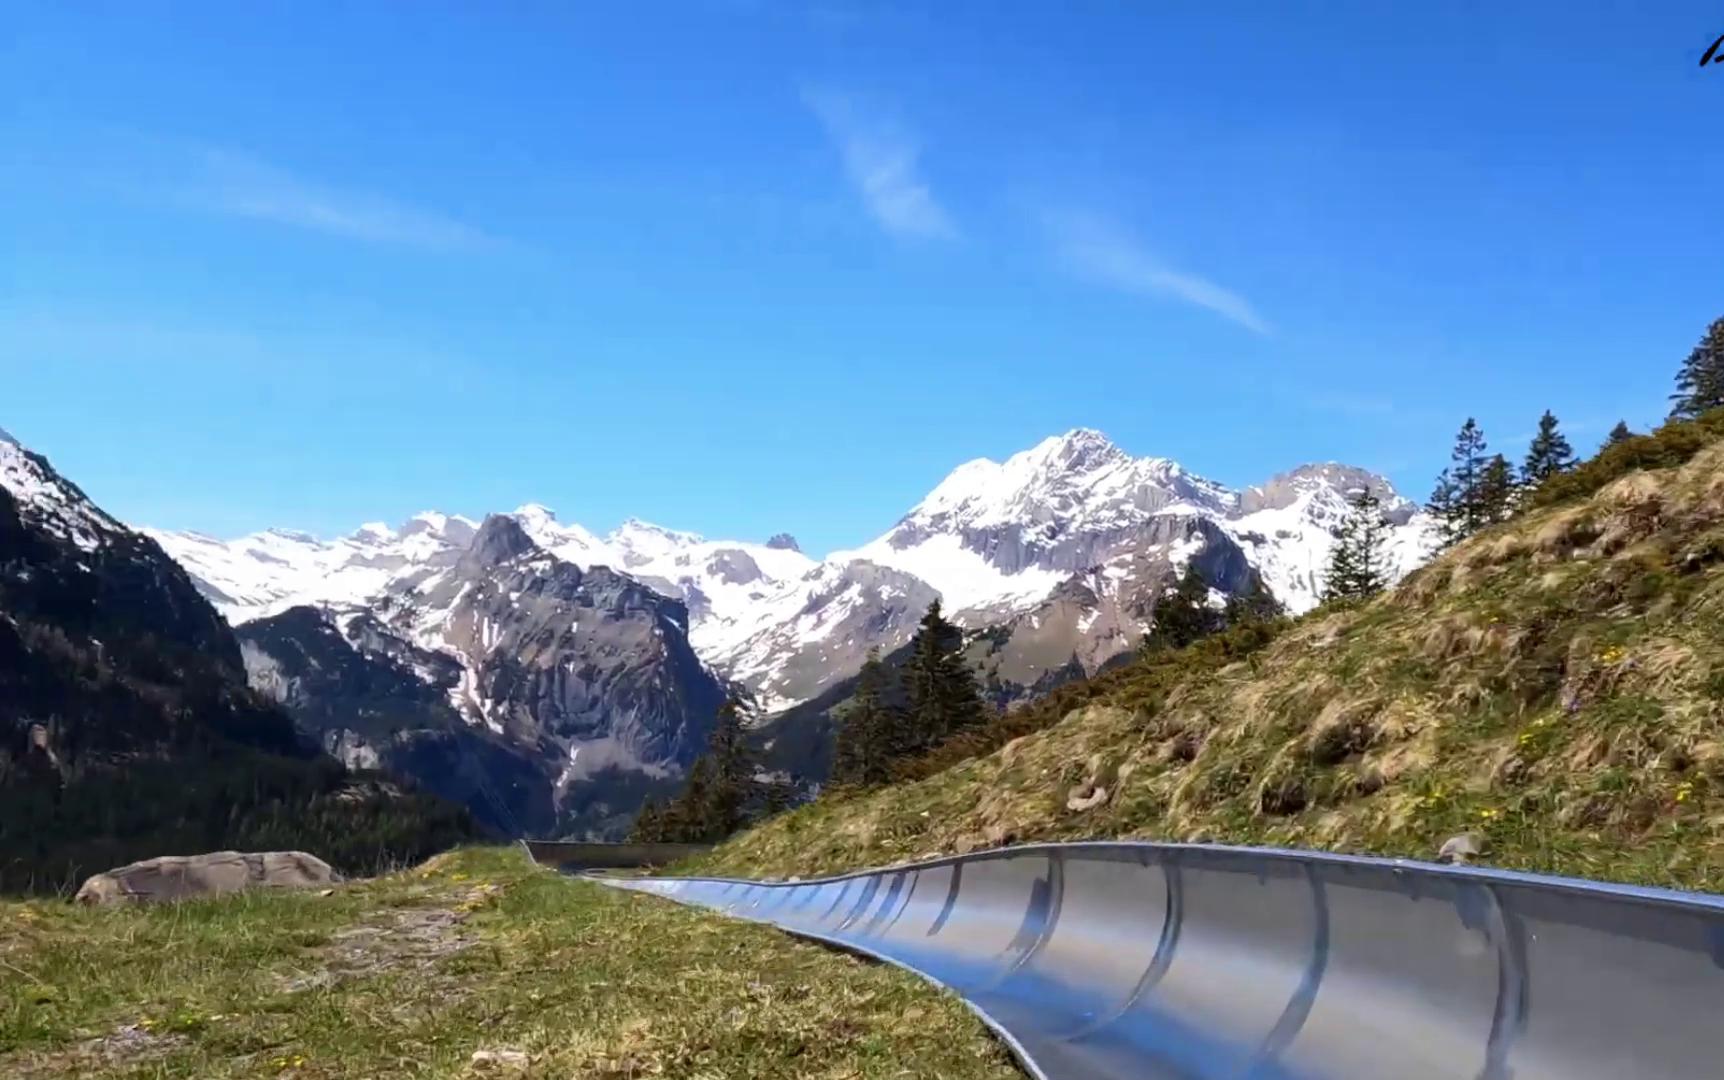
592 658
374 700
548 698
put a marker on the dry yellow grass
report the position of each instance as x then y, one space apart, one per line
1556 684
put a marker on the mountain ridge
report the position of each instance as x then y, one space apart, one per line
994 540
585 670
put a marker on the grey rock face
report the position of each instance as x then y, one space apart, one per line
579 655
852 608
375 700
783 542
591 663
1284 489
733 566
1103 610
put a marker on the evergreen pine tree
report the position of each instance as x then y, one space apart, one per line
1460 501
1182 614
777 797
1700 382
1358 563
1548 455
649 824
1497 493
1340 580
733 769
1255 604
869 731
1618 433
1445 505
690 818
941 688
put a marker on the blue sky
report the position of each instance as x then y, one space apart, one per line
745 266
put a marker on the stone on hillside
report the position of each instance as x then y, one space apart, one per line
1086 797
1461 850
184 877
504 1060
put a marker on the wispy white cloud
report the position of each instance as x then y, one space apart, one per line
882 162
1100 250
238 185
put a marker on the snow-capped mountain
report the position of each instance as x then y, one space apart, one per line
548 697
52 503
1062 550
585 668
725 585
268 572
728 586
1072 533
1287 527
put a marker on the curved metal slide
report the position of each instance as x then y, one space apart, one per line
1191 962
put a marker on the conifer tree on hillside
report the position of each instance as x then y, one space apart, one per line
1618 433
1548 455
870 730
1700 382
1255 604
777 797
690 818
733 769
649 824
1460 502
1182 614
1498 494
714 798
1359 561
941 688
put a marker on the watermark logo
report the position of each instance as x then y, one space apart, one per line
1714 55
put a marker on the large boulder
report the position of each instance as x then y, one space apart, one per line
184 877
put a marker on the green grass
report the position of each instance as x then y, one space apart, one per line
1554 685
410 974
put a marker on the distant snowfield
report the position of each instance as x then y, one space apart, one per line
992 536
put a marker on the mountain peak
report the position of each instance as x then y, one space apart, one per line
499 539
1078 450
1080 478
643 538
783 542
448 528
1284 489
537 513
51 499
7 439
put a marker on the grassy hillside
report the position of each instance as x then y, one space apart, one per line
1553 684
478 951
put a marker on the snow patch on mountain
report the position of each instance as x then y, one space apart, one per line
1288 526
1079 481
964 578
47 499
268 572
